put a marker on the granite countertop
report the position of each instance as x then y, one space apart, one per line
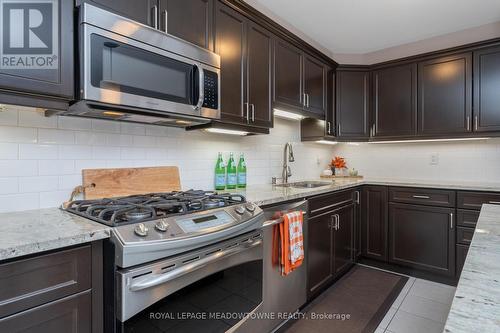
270 194
476 305
33 231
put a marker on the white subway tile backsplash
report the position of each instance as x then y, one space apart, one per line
28 118
73 152
56 136
53 198
119 140
69 182
38 152
105 126
59 167
38 184
15 168
19 202
9 117
144 141
9 185
18 134
128 153
74 123
132 128
106 153
9 151
90 138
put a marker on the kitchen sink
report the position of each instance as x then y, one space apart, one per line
305 184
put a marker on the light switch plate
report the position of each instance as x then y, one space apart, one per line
434 159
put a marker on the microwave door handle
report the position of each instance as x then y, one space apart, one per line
201 97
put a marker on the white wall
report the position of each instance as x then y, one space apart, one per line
41 158
460 161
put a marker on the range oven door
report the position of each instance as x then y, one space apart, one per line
139 68
215 289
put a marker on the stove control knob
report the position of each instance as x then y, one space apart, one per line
240 210
250 208
141 230
161 226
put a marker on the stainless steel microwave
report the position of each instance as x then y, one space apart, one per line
132 72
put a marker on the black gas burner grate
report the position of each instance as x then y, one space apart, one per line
142 208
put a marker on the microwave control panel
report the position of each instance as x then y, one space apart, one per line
211 90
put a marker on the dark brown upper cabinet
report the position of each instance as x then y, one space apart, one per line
300 81
191 20
486 90
352 104
245 50
288 76
395 101
143 11
445 95
56 81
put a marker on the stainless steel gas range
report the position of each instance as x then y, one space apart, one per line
179 260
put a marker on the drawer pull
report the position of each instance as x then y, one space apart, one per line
451 220
495 202
421 197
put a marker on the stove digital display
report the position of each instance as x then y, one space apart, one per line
205 219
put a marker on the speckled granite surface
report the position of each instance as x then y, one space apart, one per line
269 194
476 305
33 231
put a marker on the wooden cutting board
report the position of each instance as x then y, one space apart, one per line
128 181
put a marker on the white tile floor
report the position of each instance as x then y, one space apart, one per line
422 306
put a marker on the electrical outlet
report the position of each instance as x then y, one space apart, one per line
434 159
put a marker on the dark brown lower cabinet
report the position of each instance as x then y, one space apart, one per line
343 240
374 222
422 237
319 256
461 256
69 315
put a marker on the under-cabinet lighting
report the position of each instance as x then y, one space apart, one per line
225 131
287 115
428 140
326 142
113 114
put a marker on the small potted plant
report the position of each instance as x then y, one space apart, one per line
338 165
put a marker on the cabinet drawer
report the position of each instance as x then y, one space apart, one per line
330 201
474 200
461 256
467 218
31 282
420 196
69 315
464 235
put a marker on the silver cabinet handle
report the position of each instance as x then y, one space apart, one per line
165 20
333 222
303 99
451 220
153 280
357 197
476 123
373 129
201 97
253 113
421 197
338 129
468 123
338 221
307 95
155 16
495 202
247 105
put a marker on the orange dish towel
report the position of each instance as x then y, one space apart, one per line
292 242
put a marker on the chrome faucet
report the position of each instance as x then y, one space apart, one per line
287 157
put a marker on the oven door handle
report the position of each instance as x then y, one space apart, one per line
154 280
201 85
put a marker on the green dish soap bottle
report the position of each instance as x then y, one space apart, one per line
231 173
220 173
242 172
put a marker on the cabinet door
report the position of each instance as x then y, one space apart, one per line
315 85
54 55
445 95
395 101
422 237
288 88
343 240
69 315
190 20
486 88
374 222
352 104
259 56
230 44
142 11
319 251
